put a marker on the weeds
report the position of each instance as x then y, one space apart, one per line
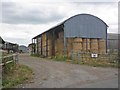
105 60
60 58
16 74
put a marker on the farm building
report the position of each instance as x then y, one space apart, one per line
80 33
1 42
23 49
7 46
10 47
30 46
113 41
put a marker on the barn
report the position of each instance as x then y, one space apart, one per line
79 33
10 47
1 42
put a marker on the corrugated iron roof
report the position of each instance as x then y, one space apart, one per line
62 23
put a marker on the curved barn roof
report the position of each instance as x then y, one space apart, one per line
82 23
84 14
85 26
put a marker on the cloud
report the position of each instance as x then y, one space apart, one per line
108 12
22 20
22 33
21 41
14 13
61 1
119 17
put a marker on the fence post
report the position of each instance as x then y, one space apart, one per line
16 58
72 55
79 57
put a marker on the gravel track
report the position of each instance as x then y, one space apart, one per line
53 74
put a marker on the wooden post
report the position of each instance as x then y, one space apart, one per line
32 46
65 46
46 44
53 43
41 45
86 44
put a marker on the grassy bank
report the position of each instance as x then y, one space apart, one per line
102 61
16 74
91 61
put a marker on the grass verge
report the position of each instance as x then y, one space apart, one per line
95 62
16 74
91 61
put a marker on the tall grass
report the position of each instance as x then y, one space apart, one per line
15 74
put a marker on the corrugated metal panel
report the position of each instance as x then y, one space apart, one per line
85 25
113 36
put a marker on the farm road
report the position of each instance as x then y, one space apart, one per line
53 74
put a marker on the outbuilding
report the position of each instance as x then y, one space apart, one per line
80 33
1 42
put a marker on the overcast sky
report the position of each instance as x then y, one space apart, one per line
22 20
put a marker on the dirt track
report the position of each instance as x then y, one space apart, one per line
52 74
